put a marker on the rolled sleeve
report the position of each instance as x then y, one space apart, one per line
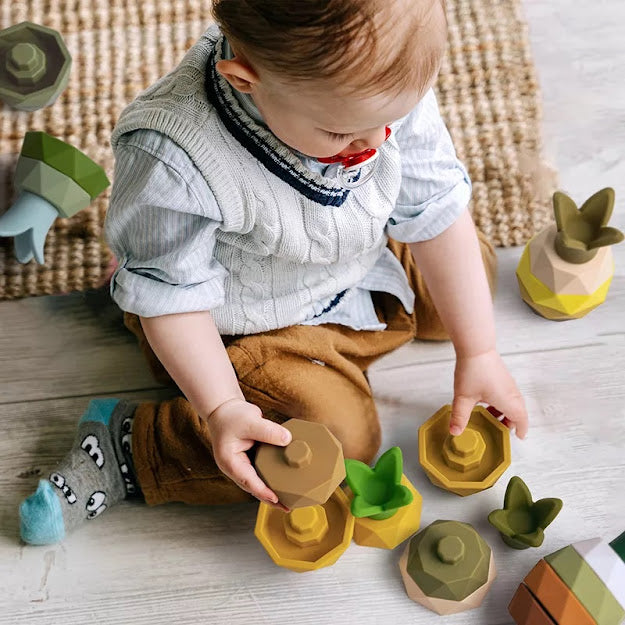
435 188
161 225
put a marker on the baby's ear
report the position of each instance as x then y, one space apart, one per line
238 73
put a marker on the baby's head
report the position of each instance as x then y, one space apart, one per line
329 75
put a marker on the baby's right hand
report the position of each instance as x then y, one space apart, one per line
234 428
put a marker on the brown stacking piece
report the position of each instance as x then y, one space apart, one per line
308 470
526 610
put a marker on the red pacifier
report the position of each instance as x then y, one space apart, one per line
350 167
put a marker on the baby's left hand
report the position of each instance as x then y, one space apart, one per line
485 378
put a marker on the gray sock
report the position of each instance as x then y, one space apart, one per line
97 473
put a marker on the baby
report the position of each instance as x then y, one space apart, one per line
287 208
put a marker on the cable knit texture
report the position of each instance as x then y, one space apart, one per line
291 239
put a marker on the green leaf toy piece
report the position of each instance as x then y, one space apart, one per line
34 66
522 521
53 179
582 232
378 492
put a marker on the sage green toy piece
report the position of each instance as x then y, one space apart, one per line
582 232
378 492
34 66
592 593
606 563
448 560
57 188
53 179
67 159
522 521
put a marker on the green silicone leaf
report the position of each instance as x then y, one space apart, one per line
360 507
534 539
517 494
401 497
546 510
607 236
597 209
499 520
564 209
573 244
389 466
358 474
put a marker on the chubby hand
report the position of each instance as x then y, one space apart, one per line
234 428
485 378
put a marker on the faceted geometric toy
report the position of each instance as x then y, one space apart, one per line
604 560
34 66
554 596
582 584
525 609
521 523
53 179
308 470
566 269
386 505
306 539
447 567
470 462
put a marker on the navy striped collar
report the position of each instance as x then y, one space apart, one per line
278 158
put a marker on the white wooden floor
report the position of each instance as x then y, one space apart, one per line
183 565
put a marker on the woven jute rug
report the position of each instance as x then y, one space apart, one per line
488 94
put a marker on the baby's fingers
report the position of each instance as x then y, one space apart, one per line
265 431
461 409
513 407
244 475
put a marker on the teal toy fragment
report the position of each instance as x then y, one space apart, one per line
34 66
378 493
53 179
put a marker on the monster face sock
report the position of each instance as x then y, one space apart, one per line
96 474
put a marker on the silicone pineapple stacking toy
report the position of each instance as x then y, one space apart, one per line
448 567
522 521
386 505
34 66
468 463
581 584
306 476
566 269
53 179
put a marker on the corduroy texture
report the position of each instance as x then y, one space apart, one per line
488 95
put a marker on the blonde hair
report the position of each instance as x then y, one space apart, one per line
350 40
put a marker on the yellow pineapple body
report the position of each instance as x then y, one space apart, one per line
388 533
557 289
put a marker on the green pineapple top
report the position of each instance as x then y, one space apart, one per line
522 521
581 232
378 493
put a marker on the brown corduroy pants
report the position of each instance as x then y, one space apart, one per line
317 373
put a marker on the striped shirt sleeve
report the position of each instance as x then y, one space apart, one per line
161 225
435 188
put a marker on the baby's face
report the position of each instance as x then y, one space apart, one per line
322 117
318 120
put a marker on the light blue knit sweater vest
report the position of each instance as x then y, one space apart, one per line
291 239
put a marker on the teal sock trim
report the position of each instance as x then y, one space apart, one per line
99 410
41 518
